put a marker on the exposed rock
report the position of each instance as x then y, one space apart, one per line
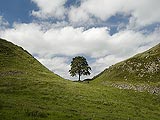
140 88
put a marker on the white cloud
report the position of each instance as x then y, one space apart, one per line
57 64
96 43
143 12
49 8
104 62
27 35
65 41
78 15
73 41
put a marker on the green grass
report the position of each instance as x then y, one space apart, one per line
52 99
29 91
143 68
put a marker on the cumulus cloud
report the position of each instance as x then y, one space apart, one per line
142 12
104 62
102 9
26 35
96 43
58 65
49 8
89 12
65 41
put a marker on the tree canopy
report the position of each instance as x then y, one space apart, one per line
79 66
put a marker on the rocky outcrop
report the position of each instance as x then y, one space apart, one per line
140 88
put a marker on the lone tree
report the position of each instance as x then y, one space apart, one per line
79 66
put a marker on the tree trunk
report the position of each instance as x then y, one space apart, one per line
79 77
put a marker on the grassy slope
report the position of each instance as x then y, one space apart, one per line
29 91
142 68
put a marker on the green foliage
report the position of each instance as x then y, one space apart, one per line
79 66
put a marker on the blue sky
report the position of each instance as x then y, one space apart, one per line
105 32
17 10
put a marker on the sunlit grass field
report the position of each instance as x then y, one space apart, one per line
29 91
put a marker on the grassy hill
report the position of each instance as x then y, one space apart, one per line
143 68
15 61
29 91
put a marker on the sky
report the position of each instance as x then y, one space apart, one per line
103 31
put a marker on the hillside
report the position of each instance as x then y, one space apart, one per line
15 60
143 68
29 91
